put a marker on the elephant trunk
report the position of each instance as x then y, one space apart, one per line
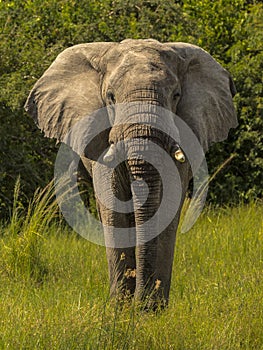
146 186
146 192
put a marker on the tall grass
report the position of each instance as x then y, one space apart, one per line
21 247
216 293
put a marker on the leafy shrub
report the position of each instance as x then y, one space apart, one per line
34 32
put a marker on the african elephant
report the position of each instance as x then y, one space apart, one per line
146 76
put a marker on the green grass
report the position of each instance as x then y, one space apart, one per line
54 287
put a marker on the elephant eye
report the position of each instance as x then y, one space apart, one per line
176 95
110 97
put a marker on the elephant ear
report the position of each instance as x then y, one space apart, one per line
206 103
68 91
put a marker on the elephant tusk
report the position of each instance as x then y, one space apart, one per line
179 155
110 155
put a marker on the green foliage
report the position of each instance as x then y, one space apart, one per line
24 152
244 176
34 32
215 302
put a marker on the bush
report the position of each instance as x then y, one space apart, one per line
33 33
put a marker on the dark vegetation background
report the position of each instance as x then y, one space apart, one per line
33 33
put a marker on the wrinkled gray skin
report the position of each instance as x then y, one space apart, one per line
179 77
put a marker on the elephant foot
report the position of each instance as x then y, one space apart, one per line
123 289
150 304
152 300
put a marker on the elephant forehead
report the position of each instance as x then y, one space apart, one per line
135 51
143 46
136 66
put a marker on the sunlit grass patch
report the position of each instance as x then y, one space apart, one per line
54 291
23 237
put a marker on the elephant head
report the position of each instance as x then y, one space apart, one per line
135 81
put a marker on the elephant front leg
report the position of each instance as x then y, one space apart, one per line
165 256
122 271
119 233
167 238
121 259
